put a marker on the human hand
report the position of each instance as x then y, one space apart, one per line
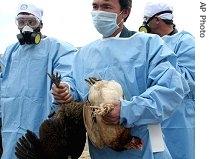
114 116
62 93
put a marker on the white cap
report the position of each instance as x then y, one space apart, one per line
152 8
30 8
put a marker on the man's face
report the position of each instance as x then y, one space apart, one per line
24 19
108 6
153 24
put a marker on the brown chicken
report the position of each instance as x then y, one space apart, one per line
61 136
102 95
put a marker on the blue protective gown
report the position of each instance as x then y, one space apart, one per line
179 129
25 87
143 65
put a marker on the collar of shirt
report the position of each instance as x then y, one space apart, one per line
116 36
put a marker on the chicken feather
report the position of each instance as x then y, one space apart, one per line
60 136
102 96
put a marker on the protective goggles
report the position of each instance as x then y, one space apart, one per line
30 20
145 27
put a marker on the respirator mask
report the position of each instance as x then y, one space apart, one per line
29 29
145 27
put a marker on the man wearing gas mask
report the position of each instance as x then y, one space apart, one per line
26 98
158 21
179 130
29 26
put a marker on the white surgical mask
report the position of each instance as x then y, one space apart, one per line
105 22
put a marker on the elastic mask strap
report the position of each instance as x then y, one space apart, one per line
121 20
120 13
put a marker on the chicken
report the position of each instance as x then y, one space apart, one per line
102 96
60 136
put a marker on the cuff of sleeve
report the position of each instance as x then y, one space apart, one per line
72 91
126 115
54 108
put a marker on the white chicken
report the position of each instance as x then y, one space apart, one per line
102 96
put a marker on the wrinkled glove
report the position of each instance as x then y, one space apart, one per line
29 147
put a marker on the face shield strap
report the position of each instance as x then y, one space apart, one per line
159 13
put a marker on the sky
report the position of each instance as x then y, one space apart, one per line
70 20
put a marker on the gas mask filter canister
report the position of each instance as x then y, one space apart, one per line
29 36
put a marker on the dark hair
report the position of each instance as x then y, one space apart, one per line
125 4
